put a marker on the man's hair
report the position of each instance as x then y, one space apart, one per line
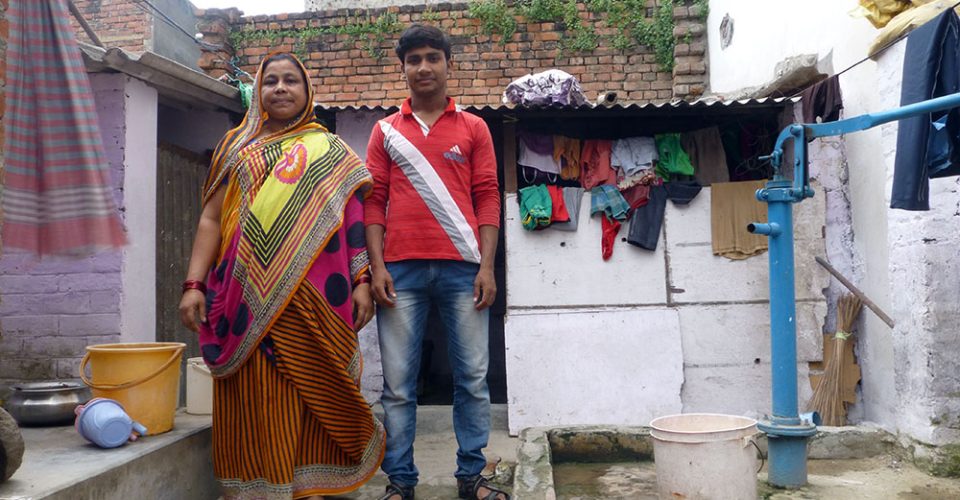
421 35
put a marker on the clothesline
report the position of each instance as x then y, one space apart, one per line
865 58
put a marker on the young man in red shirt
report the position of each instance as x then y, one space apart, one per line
431 228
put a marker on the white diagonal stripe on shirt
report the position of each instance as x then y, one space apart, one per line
434 192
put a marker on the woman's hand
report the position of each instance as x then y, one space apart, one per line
193 304
362 306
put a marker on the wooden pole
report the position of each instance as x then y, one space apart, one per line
856 291
83 24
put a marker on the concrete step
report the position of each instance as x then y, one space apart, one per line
58 464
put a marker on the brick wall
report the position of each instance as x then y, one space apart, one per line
346 74
52 308
118 23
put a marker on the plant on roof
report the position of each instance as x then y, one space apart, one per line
636 25
495 18
430 16
370 33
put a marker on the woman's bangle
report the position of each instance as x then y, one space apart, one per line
194 285
363 278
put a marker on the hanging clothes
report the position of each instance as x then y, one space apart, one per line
822 101
647 219
734 205
682 192
536 150
645 224
673 159
931 68
637 195
572 197
633 154
558 211
609 230
607 200
567 152
705 149
529 176
57 195
595 164
743 144
535 207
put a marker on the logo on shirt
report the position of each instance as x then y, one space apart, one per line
455 155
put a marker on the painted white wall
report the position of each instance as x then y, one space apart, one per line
594 342
765 34
900 259
608 366
138 314
924 285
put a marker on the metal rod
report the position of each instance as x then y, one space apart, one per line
871 120
83 24
856 291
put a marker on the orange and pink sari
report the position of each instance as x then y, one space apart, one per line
289 419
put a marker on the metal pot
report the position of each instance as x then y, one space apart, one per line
45 403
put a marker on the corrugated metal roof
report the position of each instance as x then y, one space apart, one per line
701 103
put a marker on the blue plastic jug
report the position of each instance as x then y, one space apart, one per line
104 423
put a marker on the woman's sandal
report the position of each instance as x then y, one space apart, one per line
470 488
397 492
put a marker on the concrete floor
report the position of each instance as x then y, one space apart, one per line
879 478
59 464
435 453
883 477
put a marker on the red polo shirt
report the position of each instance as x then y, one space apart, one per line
433 187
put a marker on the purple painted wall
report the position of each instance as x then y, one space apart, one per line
52 308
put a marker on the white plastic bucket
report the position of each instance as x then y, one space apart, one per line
199 387
702 456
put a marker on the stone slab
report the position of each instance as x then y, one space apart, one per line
599 367
59 464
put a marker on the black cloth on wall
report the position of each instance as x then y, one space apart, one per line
931 68
822 100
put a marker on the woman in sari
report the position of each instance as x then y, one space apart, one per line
277 286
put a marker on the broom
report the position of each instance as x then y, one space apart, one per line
828 395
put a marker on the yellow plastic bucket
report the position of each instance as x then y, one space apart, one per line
144 378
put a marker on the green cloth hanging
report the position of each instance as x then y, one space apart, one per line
246 93
673 159
535 207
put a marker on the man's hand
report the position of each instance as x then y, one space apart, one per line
362 306
381 285
193 304
484 289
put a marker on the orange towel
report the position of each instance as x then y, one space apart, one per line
567 151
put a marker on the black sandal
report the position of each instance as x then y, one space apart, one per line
405 492
470 488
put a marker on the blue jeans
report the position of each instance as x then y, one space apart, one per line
449 285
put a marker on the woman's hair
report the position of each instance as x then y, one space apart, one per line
420 35
285 56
